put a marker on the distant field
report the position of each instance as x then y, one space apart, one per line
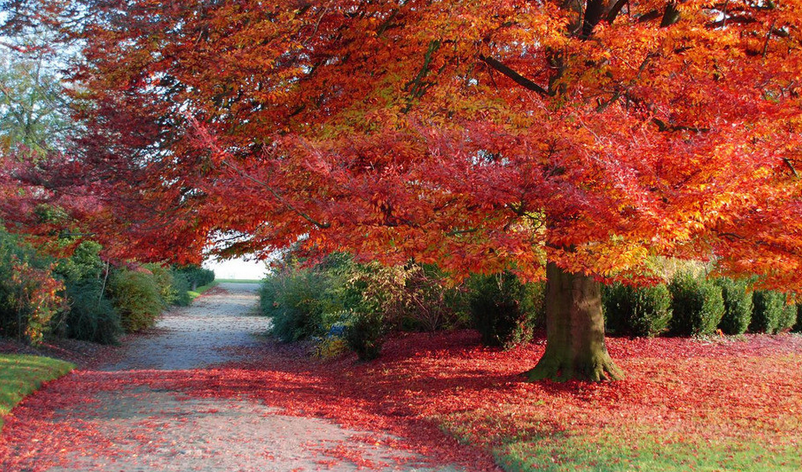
239 281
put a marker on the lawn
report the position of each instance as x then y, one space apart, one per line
21 375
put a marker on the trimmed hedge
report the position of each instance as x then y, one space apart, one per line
788 318
768 311
737 305
636 311
698 306
196 275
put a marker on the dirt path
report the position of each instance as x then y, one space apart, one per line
123 420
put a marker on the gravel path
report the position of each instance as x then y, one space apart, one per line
148 429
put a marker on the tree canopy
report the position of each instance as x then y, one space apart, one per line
478 135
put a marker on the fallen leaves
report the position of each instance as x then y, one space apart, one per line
679 388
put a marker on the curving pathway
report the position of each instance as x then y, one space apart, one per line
137 425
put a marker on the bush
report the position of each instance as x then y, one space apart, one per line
798 326
697 304
737 305
196 275
28 291
297 300
644 311
504 310
163 277
768 311
181 286
364 335
135 295
788 318
91 316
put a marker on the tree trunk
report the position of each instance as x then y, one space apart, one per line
575 347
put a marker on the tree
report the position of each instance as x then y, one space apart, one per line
570 141
33 113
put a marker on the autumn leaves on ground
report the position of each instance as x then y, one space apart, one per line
724 403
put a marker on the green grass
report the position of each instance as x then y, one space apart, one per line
624 451
21 375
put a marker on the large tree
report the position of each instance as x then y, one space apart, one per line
567 140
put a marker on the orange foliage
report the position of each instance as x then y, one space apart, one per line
477 134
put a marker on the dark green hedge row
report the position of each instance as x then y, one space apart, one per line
693 306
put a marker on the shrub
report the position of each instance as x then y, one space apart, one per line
297 300
737 305
181 286
788 318
331 347
196 275
364 335
28 291
91 316
135 295
165 283
504 310
768 311
644 311
430 303
798 326
697 304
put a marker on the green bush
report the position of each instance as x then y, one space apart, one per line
798 326
165 282
135 295
364 335
297 300
636 311
768 311
196 275
181 286
737 305
697 304
91 316
788 318
504 310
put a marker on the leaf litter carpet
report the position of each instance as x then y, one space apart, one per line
179 399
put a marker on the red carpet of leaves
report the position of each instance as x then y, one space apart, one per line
680 388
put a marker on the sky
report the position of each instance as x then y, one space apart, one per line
236 268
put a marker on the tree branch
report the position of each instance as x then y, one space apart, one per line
516 77
615 10
670 16
593 14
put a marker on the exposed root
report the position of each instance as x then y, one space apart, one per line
560 370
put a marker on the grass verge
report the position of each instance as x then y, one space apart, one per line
624 451
22 374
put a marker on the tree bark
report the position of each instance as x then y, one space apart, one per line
575 347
